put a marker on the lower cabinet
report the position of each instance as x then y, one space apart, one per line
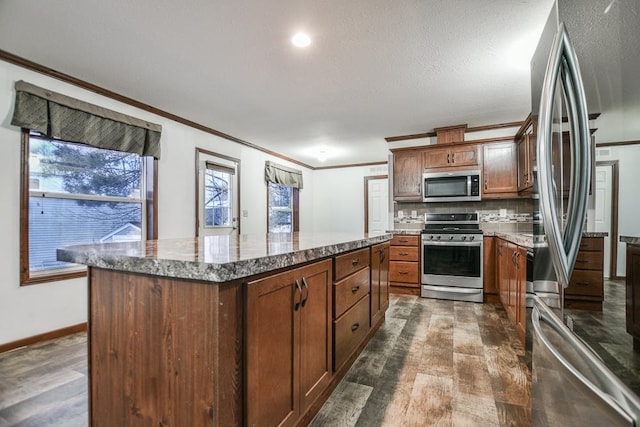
404 264
379 281
289 343
633 294
586 286
512 282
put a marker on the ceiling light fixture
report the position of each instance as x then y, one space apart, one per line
301 40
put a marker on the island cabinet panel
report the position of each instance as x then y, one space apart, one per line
350 331
379 281
350 290
350 262
288 344
133 316
632 296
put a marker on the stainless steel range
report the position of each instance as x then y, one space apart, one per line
452 257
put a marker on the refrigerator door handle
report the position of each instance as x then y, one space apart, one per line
614 396
563 66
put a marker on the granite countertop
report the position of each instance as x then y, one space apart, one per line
217 258
631 240
595 234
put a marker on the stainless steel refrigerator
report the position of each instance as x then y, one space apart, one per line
587 62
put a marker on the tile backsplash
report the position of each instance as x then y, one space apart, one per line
509 215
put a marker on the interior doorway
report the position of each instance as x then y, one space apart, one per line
606 213
217 194
376 204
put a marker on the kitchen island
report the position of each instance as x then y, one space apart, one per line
227 330
632 291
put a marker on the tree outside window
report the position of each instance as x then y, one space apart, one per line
78 194
282 208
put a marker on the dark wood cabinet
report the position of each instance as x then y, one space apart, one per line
586 286
289 343
379 281
499 171
511 279
404 264
526 158
489 269
632 296
407 175
452 156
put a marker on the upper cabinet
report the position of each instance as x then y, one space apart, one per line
526 157
499 170
407 175
450 156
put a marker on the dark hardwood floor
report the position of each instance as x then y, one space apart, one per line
431 363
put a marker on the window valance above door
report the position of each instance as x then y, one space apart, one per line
282 175
59 116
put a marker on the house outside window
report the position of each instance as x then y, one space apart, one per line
78 194
281 209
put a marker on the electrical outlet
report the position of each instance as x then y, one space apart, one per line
245 213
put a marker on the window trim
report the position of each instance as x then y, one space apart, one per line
295 208
150 201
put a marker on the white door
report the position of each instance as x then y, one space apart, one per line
602 220
217 195
378 205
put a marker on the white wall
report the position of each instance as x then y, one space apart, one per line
338 198
31 310
628 197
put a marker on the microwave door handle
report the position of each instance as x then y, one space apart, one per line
469 185
562 251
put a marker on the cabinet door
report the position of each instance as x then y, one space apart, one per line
437 157
503 267
379 281
633 292
489 274
407 175
315 331
521 291
500 168
272 367
466 155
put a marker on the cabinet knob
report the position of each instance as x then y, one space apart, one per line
355 289
355 327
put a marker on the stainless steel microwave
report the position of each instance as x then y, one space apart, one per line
458 186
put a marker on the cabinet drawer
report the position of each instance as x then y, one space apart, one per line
400 253
349 330
349 263
585 282
404 240
401 271
347 291
589 260
592 244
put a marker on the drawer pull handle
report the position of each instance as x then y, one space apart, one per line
306 286
355 261
355 327
583 283
403 272
296 304
582 260
403 241
355 289
403 253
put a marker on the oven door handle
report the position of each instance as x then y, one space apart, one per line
446 243
451 290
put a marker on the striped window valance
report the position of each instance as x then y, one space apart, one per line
283 175
59 116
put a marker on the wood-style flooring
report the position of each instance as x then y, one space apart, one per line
432 362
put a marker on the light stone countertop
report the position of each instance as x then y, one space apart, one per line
218 258
630 240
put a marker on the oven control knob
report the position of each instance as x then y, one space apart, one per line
450 237
472 237
464 237
439 236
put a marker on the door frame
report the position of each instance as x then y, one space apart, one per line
366 198
197 186
613 241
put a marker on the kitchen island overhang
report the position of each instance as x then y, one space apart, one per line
170 324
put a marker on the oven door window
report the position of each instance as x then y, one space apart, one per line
449 260
446 186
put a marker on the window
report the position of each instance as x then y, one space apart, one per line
283 208
79 194
218 191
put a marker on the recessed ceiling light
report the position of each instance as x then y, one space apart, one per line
301 40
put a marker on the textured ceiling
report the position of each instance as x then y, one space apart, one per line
375 68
